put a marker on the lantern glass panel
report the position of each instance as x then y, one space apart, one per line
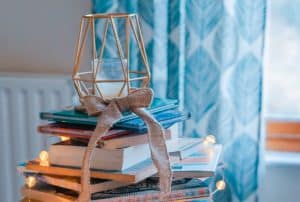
110 77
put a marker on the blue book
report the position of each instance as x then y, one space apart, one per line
137 125
72 116
165 118
163 110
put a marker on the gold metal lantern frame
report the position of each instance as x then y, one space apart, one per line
86 82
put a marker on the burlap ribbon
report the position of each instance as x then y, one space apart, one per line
111 112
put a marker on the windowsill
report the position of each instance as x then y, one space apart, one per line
282 158
282 117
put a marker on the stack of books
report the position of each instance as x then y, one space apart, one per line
122 169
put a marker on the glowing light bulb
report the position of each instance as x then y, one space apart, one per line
30 181
210 139
221 185
44 158
64 138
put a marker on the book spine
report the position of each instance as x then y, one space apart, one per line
64 131
154 197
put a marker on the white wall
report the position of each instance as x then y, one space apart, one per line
39 35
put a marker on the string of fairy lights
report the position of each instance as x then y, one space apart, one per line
208 141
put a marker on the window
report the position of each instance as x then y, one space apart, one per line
283 76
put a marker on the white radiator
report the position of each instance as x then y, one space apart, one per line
22 97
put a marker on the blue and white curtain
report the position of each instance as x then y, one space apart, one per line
208 54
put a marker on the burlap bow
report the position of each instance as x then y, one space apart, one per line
111 112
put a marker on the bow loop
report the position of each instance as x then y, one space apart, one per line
94 105
139 98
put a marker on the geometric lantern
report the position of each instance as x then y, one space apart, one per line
109 77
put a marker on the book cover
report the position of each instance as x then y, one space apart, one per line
194 166
146 191
70 115
70 154
73 183
78 131
133 174
184 146
112 140
166 119
136 173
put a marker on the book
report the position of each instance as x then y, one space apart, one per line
78 131
185 190
70 115
183 146
133 174
166 119
45 193
134 139
73 183
198 166
138 172
113 140
70 154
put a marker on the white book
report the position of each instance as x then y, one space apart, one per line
197 165
183 146
69 155
137 139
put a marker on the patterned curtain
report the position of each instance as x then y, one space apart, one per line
208 54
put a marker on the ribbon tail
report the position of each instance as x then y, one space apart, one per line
158 149
105 122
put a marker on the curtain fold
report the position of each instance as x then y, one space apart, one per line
209 54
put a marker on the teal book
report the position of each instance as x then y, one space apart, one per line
128 121
165 118
157 105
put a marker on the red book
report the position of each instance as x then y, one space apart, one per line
78 131
112 140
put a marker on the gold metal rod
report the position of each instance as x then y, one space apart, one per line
99 91
127 41
137 72
83 73
93 41
87 80
93 51
81 46
109 15
138 78
121 90
77 88
84 87
102 46
77 45
120 51
139 44
109 81
142 44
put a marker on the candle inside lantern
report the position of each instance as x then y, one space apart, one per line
109 77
